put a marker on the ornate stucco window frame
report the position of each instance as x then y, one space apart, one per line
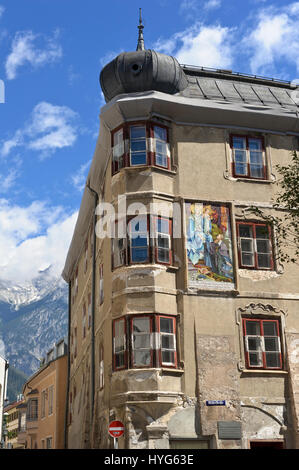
260 311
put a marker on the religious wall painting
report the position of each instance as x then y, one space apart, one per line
209 245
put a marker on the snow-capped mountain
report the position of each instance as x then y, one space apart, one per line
33 316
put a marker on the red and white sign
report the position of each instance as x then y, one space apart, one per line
116 428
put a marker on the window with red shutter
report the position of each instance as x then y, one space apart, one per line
255 246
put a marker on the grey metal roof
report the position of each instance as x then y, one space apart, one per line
212 84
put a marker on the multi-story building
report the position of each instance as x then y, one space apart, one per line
183 321
42 414
12 415
3 389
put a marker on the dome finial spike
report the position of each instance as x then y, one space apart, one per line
140 44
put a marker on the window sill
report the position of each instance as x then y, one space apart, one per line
264 371
145 167
251 180
163 370
167 267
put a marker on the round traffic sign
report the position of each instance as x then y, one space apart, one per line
116 428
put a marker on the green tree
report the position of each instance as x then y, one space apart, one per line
286 225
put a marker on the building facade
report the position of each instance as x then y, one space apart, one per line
12 418
183 321
41 416
3 390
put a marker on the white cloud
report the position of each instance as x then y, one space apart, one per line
274 38
50 128
31 238
2 10
79 178
7 181
212 4
25 50
208 46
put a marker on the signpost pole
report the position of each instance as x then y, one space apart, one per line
115 443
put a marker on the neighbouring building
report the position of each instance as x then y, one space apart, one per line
3 389
12 415
183 322
42 414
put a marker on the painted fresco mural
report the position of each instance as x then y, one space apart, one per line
209 245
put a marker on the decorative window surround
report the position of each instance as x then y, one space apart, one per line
262 312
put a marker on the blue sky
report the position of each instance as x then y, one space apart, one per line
51 54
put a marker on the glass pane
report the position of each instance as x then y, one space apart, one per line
256 171
271 344
270 328
162 225
246 245
141 341
247 259
262 231
254 343
140 241
273 359
239 143
137 132
138 226
119 328
142 358
245 231
256 157
161 147
118 137
263 246
253 328
240 156
264 261
138 158
163 241
139 254
119 360
168 357
167 341
255 359
161 160
141 324
163 255
254 144
138 145
241 169
160 133
166 325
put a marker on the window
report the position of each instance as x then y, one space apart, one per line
248 157
138 154
142 143
51 399
32 409
145 341
262 343
43 404
255 247
101 284
89 310
84 321
161 147
142 341
167 341
119 344
118 150
101 368
139 239
149 240
85 256
49 443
